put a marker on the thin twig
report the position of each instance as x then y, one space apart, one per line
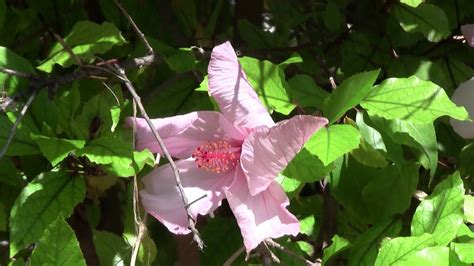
135 28
144 114
68 49
17 122
276 245
234 256
17 73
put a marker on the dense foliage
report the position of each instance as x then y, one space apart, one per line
387 181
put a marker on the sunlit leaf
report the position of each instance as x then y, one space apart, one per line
58 246
426 101
39 204
441 213
85 40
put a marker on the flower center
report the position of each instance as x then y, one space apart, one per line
216 156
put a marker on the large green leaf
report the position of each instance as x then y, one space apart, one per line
10 60
349 94
441 214
411 99
391 192
304 92
85 40
58 246
332 142
365 247
398 250
426 18
338 245
269 81
56 149
291 186
41 201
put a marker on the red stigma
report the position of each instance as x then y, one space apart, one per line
216 156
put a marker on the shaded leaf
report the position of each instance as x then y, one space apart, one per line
365 247
304 92
426 18
349 94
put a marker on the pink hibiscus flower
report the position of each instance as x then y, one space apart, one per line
235 153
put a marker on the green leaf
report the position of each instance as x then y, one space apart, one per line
178 59
338 245
349 94
268 81
369 156
464 251
332 142
291 186
68 104
22 144
58 246
426 18
333 18
304 92
413 3
111 248
109 150
398 250
441 213
306 167
50 194
9 59
391 192
293 59
86 39
438 256
420 136
469 208
9 174
222 236
99 116
56 149
427 101
308 210
365 247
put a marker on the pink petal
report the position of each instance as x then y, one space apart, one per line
229 86
182 134
468 32
267 151
161 197
262 216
